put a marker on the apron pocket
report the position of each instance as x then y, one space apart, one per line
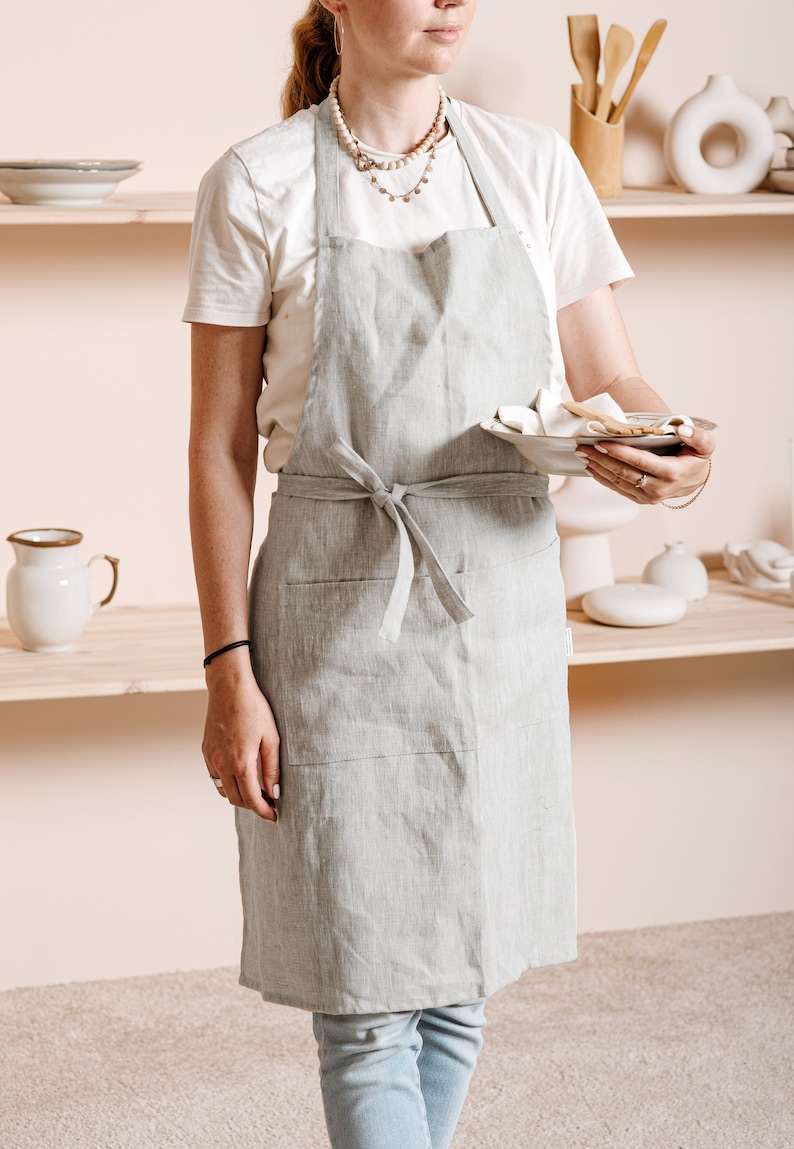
340 692
516 642
343 693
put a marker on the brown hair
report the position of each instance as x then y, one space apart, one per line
315 62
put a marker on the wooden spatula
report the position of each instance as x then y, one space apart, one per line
647 49
586 52
617 49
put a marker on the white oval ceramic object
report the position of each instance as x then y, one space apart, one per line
679 571
49 589
720 103
633 604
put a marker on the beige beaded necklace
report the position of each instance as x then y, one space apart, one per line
367 164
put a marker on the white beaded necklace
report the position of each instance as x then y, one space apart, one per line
366 163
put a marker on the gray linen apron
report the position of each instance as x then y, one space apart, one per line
407 617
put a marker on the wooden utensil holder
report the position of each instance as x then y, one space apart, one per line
599 146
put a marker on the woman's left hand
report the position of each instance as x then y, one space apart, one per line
646 478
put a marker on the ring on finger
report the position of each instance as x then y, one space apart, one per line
641 482
217 781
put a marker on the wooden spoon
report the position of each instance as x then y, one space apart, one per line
586 52
617 49
647 49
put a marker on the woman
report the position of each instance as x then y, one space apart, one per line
396 743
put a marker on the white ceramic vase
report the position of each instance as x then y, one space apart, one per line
678 570
49 589
586 513
720 103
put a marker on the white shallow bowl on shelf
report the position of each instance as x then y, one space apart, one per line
72 165
72 186
554 454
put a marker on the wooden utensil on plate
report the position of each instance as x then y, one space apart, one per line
647 49
586 52
618 47
610 423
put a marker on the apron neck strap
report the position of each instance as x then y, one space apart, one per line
478 170
328 151
327 166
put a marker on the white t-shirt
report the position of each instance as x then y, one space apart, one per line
254 242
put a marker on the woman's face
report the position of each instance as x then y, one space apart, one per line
403 37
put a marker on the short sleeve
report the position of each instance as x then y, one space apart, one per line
584 252
229 269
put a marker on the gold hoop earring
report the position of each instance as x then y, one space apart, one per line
339 34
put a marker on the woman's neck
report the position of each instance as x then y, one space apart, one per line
390 117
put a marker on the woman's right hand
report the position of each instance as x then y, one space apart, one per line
239 733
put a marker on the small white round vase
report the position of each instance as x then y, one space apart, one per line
633 604
720 103
678 570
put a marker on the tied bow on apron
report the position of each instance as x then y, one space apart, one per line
365 483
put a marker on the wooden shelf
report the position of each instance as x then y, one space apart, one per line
129 650
162 207
635 203
139 650
732 620
672 203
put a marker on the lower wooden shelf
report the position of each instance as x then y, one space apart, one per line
129 650
140 650
732 620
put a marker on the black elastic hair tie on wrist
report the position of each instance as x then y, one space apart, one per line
223 649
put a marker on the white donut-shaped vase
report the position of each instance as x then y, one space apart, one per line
719 103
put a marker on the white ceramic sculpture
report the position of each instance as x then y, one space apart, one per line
763 565
678 570
49 589
586 512
720 103
634 604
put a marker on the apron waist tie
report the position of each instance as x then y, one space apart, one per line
364 483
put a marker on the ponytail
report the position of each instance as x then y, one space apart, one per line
315 62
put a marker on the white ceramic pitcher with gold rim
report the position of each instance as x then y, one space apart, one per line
49 589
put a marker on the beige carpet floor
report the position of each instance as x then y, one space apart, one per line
677 1037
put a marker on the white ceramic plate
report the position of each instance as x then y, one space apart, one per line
61 187
72 165
554 455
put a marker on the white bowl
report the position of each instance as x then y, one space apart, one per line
61 187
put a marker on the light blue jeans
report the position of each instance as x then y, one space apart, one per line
397 1080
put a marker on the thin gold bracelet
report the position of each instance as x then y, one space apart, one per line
689 502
